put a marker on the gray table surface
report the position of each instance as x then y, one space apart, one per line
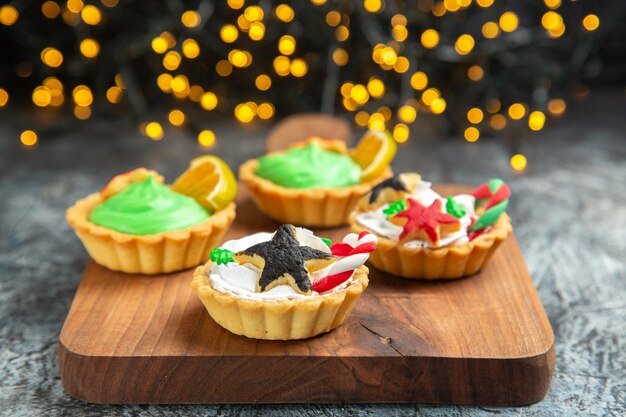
568 208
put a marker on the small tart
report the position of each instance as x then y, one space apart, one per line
147 254
312 207
282 319
448 262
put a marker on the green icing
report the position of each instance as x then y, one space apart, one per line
147 207
490 216
454 208
309 167
395 208
221 256
326 240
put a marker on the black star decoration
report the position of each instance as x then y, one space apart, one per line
283 261
394 183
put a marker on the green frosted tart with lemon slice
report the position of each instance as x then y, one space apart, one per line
137 224
316 183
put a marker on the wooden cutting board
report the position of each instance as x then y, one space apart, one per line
148 339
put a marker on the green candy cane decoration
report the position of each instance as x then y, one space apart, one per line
496 194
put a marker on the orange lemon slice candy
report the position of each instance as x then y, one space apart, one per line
374 153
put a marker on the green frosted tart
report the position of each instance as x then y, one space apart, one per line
148 207
309 166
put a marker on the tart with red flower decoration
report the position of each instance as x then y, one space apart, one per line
285 285
424 235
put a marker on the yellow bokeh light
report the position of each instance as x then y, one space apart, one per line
484 3
253 13
256 32
169 38
238 58
164 81
52 57
287 45
464 44
179 84
419 81
475 115
493 105
8 15
517 111
91 15
235 4
265 111
191 49
28 138
407 114
430 38
42 96
536 120
359 94
591 22
490 30
263 82
89 48
171 60
154 130
361 118
376 88
333 18
438 9
401 133
244 112
340 57
159 45
176 117
551 21
519 162
398 20
281 65
82 112
114 94
388 55
475 73
82 96
452 5
191 18
508 21
208 101
206 138
429 96
284 13
342 33
373 6
556 106
243 23
110 3
376 122
50 9
401 65
223 68
195 93
345 89
318 2
386 112
4 97
53 84
471 134
298 67
399 33
497 122
438 106
75 6
229 33
552 4
119 81
557 33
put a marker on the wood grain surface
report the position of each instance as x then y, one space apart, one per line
480 340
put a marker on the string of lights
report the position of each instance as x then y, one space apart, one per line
475 66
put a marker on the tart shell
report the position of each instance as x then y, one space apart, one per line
450 262
147 254
287 319
314 207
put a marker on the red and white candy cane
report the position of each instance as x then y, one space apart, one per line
353 252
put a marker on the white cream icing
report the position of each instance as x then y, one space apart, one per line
376 221
241 280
